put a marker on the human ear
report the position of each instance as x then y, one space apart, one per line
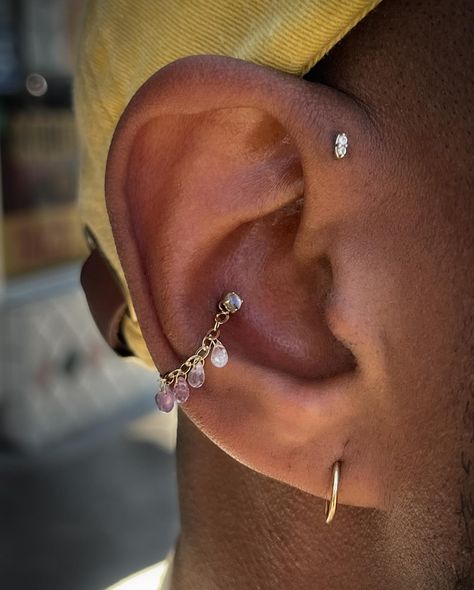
222 176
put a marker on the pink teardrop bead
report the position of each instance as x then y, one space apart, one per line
196 376
165 399
219 356
181 390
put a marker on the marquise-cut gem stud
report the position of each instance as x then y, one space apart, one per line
341 145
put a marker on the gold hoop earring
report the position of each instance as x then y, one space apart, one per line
331 504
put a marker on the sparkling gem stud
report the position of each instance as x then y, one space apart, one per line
174 385
341 145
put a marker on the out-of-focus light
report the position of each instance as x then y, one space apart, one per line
36 84
150 578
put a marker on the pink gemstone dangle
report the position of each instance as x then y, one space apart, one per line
196 376
181 390
219 356
175 384
165 399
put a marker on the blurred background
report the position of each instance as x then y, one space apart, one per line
87 473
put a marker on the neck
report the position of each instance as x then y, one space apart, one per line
242 530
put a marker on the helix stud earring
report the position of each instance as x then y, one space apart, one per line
341 145
331 504
174 385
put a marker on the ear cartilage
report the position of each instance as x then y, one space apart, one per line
341 145
174 385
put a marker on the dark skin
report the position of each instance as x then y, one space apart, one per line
355 342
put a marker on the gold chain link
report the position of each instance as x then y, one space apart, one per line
207 344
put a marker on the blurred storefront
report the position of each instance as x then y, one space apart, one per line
60 385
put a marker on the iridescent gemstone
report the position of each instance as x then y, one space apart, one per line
342 139
196 376
219 356
165 399
232 302
181 390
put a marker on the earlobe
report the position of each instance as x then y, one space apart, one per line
223 176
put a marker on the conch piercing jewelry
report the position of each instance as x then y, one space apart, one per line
331 504
174 385
341 145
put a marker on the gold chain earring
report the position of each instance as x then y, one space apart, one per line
174 385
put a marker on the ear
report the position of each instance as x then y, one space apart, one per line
222 176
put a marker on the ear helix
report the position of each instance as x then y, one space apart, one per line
174 385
